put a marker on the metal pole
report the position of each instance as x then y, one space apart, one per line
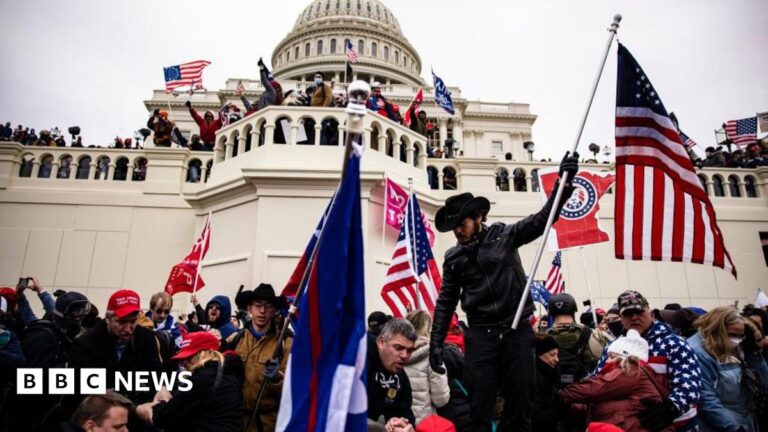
207 232
612 33
414 252
589 285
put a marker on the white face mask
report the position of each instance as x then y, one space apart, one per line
736 341
318 81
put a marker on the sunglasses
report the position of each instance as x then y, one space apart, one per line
162 311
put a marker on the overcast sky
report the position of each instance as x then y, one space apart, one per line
93 63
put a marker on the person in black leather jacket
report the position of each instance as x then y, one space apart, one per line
485 272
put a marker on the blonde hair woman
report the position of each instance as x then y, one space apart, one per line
214 401
724 403
430 389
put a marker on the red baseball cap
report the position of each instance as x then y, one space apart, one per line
123 303
195 342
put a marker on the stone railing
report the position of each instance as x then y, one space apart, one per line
288 125
63 164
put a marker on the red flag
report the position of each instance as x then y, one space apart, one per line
418 98
578 223
184 275
394 209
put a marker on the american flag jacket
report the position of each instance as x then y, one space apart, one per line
670 355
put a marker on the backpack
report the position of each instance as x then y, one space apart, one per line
61 358
573 368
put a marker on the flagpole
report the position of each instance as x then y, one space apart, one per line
437 112
612 33
414 252
384 218
589 285
202 249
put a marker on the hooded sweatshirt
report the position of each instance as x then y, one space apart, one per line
222 324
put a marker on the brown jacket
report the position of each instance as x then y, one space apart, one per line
614 396
255 354
322 97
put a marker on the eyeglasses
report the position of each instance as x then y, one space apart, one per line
263 306
77 310
214 306
162 311
631 312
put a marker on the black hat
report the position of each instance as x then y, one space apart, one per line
264 292
545 344
72 305
561 304
377 318
457 208
632 300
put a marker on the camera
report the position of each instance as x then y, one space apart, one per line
587 303
24 282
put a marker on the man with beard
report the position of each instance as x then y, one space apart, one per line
217 314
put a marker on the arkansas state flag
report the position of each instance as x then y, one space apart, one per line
182 277
324 387
396 203
578 224
418 98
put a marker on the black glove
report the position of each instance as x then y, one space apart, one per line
657 415
569 164
188 104
156 112
436 359
271 368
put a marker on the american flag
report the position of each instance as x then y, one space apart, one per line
351 52
662 212
240 87
742 132
406 288
687 141
186 74
555 283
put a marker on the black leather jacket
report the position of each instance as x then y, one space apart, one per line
486 273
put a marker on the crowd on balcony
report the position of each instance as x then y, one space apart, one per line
753 156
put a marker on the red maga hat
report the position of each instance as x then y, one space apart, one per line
195 342
123 303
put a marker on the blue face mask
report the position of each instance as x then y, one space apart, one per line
318 81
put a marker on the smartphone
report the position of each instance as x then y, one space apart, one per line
23 282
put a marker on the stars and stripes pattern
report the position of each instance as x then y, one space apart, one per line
240 87
687 141
413 279
662 212
351 52
742 132
670 355
186 74
555 283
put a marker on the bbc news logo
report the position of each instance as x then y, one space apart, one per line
31 381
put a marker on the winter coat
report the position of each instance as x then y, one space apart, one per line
673 357
544 415
382 106
487 274
457 409
206 407
255 353
163 128
615 396
207 130
223 323
428 388
322 97
724 404
389 395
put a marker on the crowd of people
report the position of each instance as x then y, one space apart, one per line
752 156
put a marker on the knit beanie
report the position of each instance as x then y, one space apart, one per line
545 344
630 345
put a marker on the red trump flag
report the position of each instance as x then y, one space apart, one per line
184 276
578 223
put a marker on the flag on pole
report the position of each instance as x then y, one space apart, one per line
395 208
292 287
240 87
186 74
442 95
662 212
418 98
349 71
407 288
555 283
184 274
742 132
578 224
324 387
687 141
351 52
539 293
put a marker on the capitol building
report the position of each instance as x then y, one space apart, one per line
96 220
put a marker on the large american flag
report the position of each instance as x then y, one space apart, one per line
351 52
186 74
408 285
555 283
662 212
742 132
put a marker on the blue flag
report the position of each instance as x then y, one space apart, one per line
539 293
324 387
442 95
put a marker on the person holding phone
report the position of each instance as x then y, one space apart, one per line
25 310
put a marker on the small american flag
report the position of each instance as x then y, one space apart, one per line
407 288
687 141
742 132
351 52
240 87
555 283
662 212
186 74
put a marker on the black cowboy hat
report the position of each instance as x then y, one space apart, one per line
457 208
264 292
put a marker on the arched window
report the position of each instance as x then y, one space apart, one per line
140 169
386 53
502 179
288 56
333 46
405 61
296 53
307 48
319 47
102 168
83 168
359 6
535 180
518 178
46 166
194 168
703 181
397 56
65 166
733 185
26 166
121 169
749 185
717 186
360 47
432 177
374 50
449 178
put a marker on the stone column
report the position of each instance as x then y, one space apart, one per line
255 134
409 154
269 134
710 187
55 169
367 137
342 139
93 170
458 134
422 160
241 145
440 180
528 186
228 153
203 171
382 143
318 129
110 172
443 131
396 149
129 176
35 169
294 133
218 152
